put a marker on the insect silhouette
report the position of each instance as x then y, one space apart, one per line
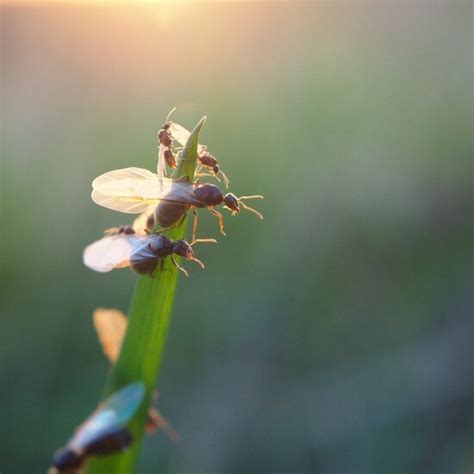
140 252
111 325
165 141
135 190
104 432
180 134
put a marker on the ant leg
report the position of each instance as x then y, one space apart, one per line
195 224
220 218
225 178
111 231
203 241
176 264
153 272
201 175
181 220
194 239
156 421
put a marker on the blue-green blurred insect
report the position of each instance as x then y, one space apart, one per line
104 432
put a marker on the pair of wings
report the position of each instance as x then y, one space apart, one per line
112 414
135 190
117 251
111 325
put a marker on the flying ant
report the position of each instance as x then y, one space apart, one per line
205 159
140 252
165 140
172 207
104 432
134 190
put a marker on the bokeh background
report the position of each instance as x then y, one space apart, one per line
333 337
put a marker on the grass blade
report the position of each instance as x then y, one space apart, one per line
149 316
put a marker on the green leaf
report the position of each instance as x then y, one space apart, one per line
149 316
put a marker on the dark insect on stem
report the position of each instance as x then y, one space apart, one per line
173 207
205 159
165 139
104 432
140 252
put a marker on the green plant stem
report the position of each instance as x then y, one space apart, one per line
149 316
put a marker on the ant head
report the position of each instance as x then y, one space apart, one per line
183 249
232 202
66 459
216 169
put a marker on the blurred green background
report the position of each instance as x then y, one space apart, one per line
333 337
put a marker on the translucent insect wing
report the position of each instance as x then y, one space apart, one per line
123 173
129 182
134 190
180 192
110 325
114 413
122 204
161 165
141 224
181 135
115 251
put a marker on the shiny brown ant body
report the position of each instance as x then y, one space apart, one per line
124 248
209 161
145 260
169 212
165 139
179 134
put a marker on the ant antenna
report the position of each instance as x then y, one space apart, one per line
194 259
225 178
170 114
176 264
250 209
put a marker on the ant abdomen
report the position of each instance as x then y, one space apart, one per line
169 213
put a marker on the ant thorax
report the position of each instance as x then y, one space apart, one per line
208 194
161 246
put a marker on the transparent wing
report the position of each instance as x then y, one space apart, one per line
121 203
116 251
115 412
133 190
181 135
110 325
161 166
140 224
124 173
